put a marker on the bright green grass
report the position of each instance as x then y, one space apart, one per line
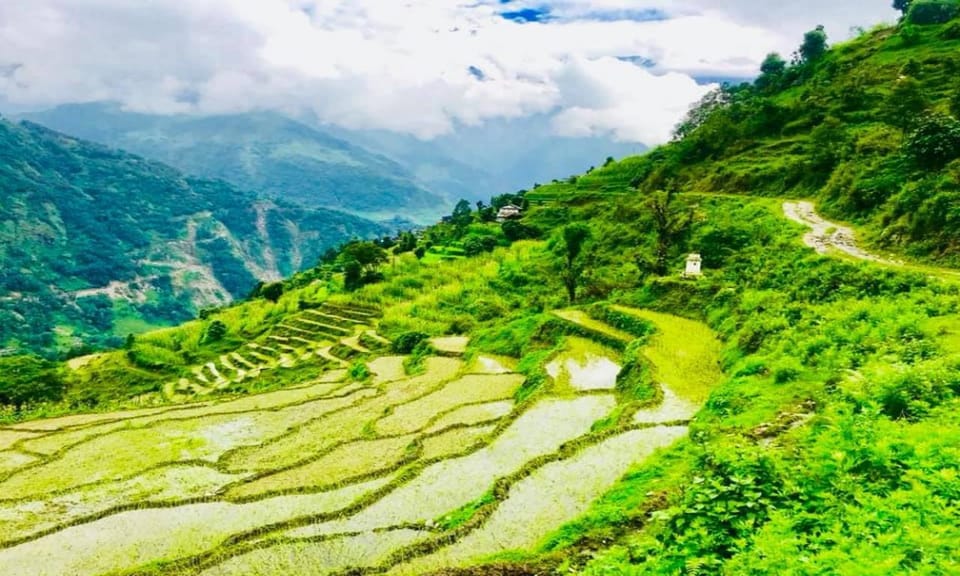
582 319
132 539
343 463
556 493
685 354
469 389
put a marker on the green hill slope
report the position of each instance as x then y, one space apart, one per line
870 130
96 242
263 152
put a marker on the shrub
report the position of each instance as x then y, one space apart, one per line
786 373
272 292
911 395
408 341
952 31
927 12
935 141
214 332
28 379
359 372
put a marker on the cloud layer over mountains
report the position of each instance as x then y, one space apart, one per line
625 69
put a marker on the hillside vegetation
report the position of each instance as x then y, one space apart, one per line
96 243
262 152
557 398
869 129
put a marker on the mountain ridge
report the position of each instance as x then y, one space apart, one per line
264 152
84 223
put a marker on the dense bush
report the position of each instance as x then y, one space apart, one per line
928 12
935 141
405 343
27 379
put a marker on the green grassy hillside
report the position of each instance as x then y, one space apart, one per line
262 152
870 130
561 401
95 243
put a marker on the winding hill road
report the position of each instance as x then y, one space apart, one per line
825 236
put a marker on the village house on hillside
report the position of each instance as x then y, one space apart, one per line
509 212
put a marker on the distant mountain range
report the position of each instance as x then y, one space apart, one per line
376 174
262 152
476 162
95 241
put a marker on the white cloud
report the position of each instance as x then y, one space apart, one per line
401 66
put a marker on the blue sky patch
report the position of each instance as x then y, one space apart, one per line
477 73
645 15
526 15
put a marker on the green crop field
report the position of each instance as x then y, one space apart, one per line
389 471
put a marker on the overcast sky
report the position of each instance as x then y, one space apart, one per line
627 69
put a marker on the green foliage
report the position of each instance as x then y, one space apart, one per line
516 231
416 362
902 5
214 332
570 243
906 102
359 372
635 381
462 214
928 12
912 394
732 496
80 217
272 292
26 380
814 45
407 342
934 142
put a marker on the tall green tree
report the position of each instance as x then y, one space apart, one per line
570 243
814 45
773 65
671 221
28 379
905 103
462 214
361 263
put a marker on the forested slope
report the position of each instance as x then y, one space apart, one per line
91 235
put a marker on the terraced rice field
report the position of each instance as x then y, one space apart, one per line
333 475
584 365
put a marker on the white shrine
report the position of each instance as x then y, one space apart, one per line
694 264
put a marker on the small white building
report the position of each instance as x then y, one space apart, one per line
694 264
508 212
